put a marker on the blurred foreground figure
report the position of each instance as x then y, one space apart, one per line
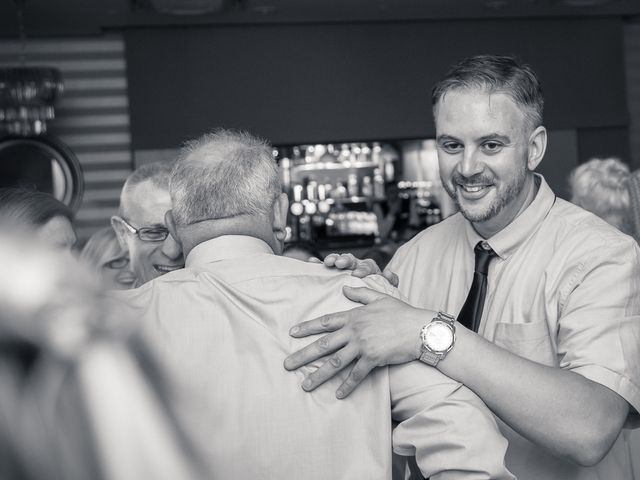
50 218
103 252
601 186
77 402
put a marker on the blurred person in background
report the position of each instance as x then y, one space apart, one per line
601 186
140 226
80 396
50 218
104 253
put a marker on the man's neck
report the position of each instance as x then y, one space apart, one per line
246 225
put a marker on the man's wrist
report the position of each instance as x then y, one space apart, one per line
437 338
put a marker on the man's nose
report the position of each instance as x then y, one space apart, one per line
171 248
470 164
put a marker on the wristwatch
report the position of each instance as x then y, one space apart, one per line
438 337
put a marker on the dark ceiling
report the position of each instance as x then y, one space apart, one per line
86 17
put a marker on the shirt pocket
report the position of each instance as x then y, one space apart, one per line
529 340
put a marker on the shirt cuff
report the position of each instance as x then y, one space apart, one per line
612 380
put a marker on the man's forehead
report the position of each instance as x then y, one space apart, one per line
146 204
476 107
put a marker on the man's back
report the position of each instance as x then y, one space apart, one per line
222 327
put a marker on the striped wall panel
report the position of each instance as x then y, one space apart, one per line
632 61
92 116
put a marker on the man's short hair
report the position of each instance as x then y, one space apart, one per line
158 173
223 174
496 74
601 186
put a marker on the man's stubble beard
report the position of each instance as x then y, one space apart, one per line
503 198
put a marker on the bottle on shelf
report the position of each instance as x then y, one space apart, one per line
352 185
378 184
367 187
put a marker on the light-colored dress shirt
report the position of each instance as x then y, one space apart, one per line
564 292
221 325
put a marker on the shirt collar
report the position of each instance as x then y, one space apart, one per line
226 247
507 240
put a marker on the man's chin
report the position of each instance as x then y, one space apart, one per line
475 213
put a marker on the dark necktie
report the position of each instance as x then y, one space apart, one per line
471 312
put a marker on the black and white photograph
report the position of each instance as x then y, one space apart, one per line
320 239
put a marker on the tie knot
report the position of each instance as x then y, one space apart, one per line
484 254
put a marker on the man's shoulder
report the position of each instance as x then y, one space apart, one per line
437 236
574 227
301 272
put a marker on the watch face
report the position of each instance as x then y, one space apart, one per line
438 336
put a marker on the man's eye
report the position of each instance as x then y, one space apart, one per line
451 147
492 147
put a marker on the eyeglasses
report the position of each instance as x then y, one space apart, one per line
148 234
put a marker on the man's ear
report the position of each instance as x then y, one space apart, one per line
537 147
280 210
170 222
121 232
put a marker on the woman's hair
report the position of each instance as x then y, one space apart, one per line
101 247
601 187
30 207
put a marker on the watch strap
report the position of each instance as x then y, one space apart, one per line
430 358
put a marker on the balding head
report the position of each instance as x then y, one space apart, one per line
227 183
224 174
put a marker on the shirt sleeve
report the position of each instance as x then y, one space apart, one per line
445 425
599 325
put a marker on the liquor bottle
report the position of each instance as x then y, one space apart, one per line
378 184
352 185
367 187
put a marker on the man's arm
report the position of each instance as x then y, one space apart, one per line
444 425
567 413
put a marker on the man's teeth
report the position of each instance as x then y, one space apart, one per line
472 189
166 268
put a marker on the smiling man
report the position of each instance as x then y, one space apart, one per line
528 300
140 224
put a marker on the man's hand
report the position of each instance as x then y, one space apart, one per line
361 268
383 332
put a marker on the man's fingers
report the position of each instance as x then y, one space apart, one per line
314 260
326 323
331 367
358 373
362 295
330 260
364 268
323 346
392 278
346 261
